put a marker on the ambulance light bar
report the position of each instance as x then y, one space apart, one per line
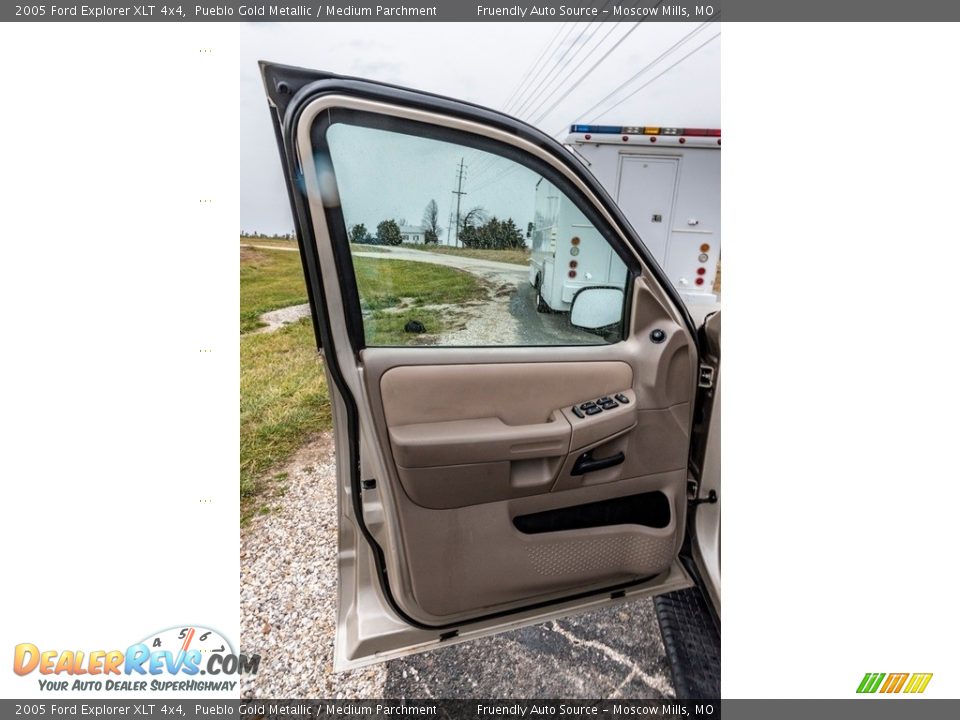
634 130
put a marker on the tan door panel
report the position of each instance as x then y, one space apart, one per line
478 440
502 442
516 393
446 417
473 560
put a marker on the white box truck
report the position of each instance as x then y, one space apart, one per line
666 181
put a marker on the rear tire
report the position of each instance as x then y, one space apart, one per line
542 306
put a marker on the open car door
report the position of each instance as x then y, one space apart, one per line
497 465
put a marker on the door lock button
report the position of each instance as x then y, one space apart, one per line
577 411
622 398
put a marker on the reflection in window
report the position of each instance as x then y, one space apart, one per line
457 246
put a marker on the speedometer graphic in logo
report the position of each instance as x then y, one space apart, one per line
184 638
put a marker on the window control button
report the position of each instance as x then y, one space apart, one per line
588 405
622 398
604 399
609 405
577 411
593 410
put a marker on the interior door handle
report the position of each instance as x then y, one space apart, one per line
585 463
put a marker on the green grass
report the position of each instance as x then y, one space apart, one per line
283 400
383 283
516 257
269 280
386 328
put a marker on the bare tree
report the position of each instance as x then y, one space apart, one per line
431 223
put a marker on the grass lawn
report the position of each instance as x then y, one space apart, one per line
283 393
384 282
283 401
269 280
517 257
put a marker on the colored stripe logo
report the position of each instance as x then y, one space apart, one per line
912 683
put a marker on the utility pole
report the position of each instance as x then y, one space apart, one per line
459 193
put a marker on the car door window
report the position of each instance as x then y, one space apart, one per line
455 245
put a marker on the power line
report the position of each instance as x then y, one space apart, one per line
644 69
499 176
658 75
550 74
487 165
533 72
527 75
459 193
554 72
571 88
536 76
558 74
506 171
593 67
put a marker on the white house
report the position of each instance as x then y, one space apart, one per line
412 234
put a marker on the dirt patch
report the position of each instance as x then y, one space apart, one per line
276 319
250 255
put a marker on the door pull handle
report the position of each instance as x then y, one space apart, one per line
587 463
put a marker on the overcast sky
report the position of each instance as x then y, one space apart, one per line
483 63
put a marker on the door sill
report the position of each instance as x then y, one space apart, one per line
376 634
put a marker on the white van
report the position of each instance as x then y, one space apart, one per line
666 181
567 253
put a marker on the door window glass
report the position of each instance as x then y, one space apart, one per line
455 246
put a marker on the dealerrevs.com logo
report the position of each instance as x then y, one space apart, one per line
910 683
173 659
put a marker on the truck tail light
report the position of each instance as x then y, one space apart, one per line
573 264
705 247
572 274
699 281
701 271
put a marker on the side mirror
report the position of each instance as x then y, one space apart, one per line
596 308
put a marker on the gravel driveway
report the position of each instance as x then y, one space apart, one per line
288 584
